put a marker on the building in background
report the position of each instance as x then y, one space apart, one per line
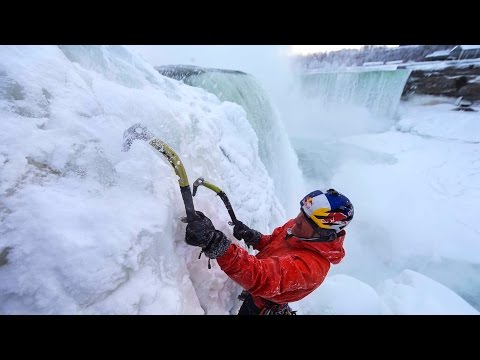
460 52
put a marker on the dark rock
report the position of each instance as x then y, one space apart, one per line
450 82
470 91
182 72
4 255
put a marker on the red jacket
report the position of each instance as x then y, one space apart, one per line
285 269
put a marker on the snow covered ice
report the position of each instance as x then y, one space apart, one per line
88 229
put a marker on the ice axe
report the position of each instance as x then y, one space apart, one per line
140 132
221 193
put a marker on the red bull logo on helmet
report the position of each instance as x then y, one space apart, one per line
334 217
308 202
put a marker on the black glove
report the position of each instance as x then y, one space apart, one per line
201 232
242 231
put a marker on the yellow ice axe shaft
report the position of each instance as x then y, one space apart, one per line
140 132
179 169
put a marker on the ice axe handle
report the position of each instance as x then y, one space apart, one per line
225 200
188 201
219 192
